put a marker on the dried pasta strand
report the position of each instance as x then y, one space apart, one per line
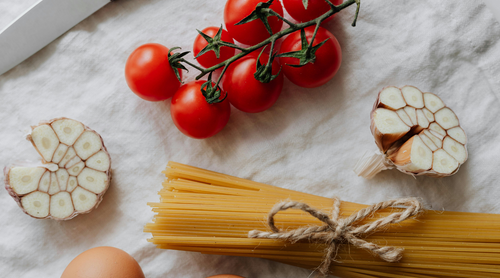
212 213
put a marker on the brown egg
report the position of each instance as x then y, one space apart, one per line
103 262
226 276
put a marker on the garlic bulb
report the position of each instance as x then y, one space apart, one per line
74 174
416 133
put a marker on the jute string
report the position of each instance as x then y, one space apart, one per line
341 230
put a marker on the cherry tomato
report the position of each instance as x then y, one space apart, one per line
250 33
192 114
149 74
209 59
244 91
315 8
326 65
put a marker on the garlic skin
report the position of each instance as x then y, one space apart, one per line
416 133
72 178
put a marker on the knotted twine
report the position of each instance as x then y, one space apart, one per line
340 230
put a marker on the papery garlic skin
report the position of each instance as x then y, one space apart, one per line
421 137
73 177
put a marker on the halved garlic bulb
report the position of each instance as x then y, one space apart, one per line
74 174
416 133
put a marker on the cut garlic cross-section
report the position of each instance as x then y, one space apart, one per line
73 177
423 137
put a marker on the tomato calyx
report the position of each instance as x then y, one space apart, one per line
214 44
262 11
264 73
307 54
175 60
212 93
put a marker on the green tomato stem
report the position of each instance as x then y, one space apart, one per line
193 65
293 27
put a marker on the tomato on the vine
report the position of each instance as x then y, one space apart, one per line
244 91
195 117
210 59
315 8
149 74
325 66
253 32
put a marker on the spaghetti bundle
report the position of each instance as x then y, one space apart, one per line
213 213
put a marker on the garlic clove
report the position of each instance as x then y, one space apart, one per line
44 182
402 114
67 130
412 113
59 153
92 180
444 163
83 200
413 156
99 161
428 114
437 134
45 141
76 169
54 184
24 180
61 205
428 142
433 102
72 162
413 96
446 118
434 137
437 128
455 149
422 120
391 98
458 134
387 127
88 144
72 184
70 154
62 178
36 204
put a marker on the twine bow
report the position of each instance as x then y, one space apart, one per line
337 230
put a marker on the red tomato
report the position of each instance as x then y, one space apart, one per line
244 91
250 33
192 114
328 58
209 59
149 74
315 8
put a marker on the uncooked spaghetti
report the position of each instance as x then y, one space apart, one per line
212 213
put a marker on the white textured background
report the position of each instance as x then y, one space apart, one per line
309 141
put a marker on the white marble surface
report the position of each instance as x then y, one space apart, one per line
308 141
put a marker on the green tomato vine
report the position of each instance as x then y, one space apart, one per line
262 11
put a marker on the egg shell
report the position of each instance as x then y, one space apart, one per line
226 276
103 262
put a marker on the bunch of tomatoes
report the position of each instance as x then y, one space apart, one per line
152 76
